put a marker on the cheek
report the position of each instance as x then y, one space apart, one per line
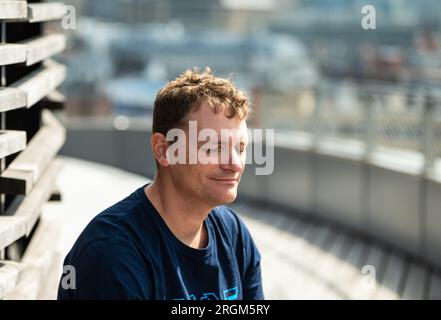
195 172
185 172
204 172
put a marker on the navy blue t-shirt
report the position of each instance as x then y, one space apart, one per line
128 252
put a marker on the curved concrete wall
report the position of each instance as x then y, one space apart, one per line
385 197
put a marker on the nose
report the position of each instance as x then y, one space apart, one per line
235 163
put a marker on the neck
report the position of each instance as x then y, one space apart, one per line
183 216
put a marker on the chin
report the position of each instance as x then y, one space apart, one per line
228 197
221 193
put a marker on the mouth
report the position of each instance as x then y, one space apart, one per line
230 181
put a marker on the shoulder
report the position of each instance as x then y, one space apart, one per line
226 216
106 268
229 220
105 251
107 226
110 230
229 223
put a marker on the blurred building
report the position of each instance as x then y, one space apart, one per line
199 15
332 31
148 54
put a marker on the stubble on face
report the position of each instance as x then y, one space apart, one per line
214 183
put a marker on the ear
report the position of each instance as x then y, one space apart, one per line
159 147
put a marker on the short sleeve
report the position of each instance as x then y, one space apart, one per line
107 269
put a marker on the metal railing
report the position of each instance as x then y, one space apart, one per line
396 117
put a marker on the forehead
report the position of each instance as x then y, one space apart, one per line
207 119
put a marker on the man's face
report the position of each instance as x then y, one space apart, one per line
213 183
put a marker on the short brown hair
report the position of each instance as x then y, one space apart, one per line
188 91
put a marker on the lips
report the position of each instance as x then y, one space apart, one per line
226 181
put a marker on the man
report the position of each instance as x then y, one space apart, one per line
172 238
